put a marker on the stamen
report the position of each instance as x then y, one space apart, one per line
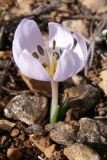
44 65
61 51
40 50
74 45
35 55
56 55
54 44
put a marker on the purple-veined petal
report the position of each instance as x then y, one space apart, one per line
28 35
61 35
68 65
31 67
81 49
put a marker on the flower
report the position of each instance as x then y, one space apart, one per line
63 56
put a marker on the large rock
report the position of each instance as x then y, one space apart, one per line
87 130
27 108
63 133
83 98
80 152
92 131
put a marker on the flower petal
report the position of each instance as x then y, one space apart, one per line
17 50
68 65
61 35
81 49
28 35
31 67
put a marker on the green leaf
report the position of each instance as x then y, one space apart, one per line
63 109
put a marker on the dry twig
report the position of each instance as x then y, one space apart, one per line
92 44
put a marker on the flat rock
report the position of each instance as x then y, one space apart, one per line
83 98
63 133
92 131
80 152
27 108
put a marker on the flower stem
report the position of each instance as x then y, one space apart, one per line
54 102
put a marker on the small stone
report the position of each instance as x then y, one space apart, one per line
103 83
6 125
80 152
14 154
44 144
16 142
102 113
77 80
58 155
50 150
3 139
27 108
21 136
101 110
2 156
14 132
83 98
102 39
63 133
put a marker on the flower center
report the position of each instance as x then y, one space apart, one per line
48 57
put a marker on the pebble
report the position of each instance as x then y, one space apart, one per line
6 125
102 113
14 132
3 139
28 108
2 156
80 152
44 144
14 154
21 136
103 83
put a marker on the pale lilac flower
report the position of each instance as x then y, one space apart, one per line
63 56
68 61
